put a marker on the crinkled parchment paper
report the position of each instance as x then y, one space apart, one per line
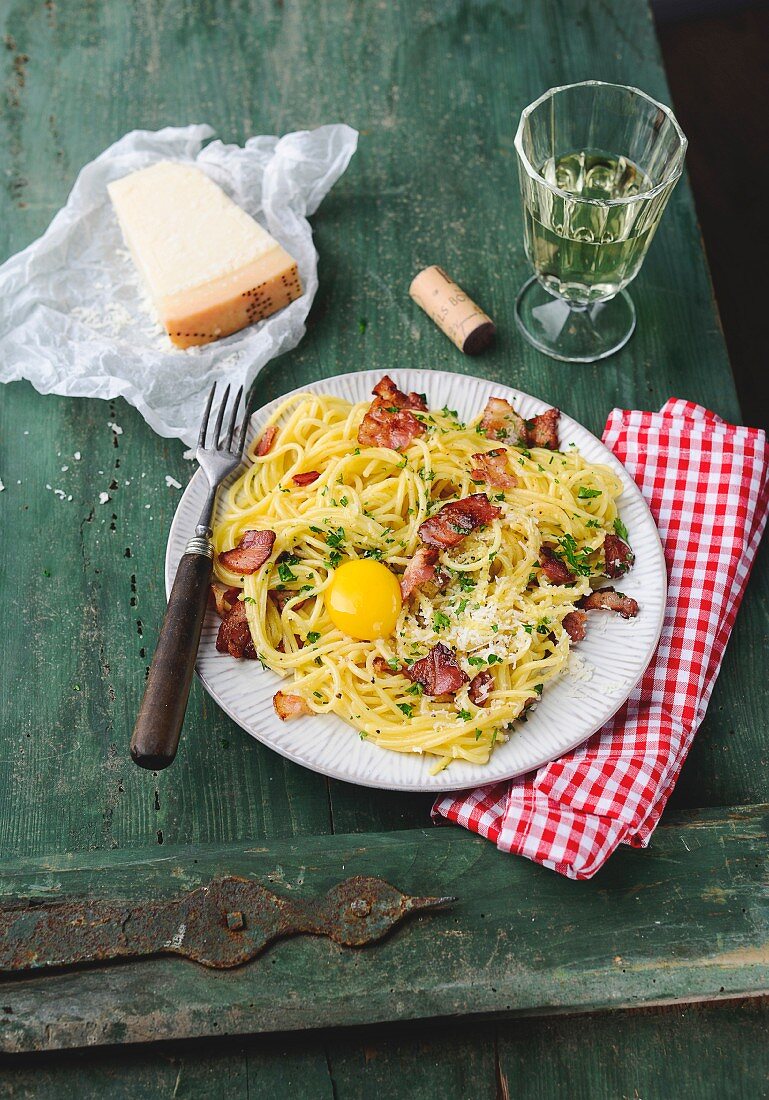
74 318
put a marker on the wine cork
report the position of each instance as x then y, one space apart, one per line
465 324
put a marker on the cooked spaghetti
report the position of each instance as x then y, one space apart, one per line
491 585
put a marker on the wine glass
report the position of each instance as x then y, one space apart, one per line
597 164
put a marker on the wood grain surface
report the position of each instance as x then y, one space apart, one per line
435 90
684 922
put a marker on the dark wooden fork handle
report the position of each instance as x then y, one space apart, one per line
159 723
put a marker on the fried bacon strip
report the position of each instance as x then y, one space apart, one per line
289 706
481 687
264 446
556 570
608 599
438 672
234 636
389 421
575 624
224 597
456 520
492 467
421 570
501 421
542 430
252 551
618 557
382 667
306 478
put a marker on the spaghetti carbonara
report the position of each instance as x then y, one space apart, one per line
474 549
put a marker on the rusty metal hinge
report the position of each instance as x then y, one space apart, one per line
221 925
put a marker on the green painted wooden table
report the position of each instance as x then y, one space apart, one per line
531 986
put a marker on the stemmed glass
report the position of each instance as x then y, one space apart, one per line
597 164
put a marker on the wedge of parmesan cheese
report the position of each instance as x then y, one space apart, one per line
209 267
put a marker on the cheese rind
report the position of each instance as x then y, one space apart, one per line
209 267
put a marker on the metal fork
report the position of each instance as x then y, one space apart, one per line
159 722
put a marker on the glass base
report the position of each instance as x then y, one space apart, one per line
573 335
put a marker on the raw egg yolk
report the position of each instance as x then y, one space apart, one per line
364 599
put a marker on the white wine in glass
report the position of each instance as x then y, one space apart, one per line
597 165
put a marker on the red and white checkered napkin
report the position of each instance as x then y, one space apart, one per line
707 486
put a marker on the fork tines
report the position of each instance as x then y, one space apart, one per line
216 443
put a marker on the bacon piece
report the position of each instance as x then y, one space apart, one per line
389 421
542 430
456 520
574 624
281 596
234 637
224 597
618 556
556 570
383 667
420 570
264 446
289 706
252 551
501 421
306 478
438 672
481 687
608 599
492 467
389 392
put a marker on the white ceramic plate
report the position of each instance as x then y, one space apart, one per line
605 667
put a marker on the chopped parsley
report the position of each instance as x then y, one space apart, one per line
592 523
440 621
363 735
493 659
461 606
249 599
284 572
394 664
334 559
466 582
313 636
407 708
478 734
528 628
307 588
542 626
336 538
583 493
415 689
465 715
620 529
373 552
575 557
476 661
539 688
344 501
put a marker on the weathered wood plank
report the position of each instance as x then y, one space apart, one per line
685 920
710 1051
